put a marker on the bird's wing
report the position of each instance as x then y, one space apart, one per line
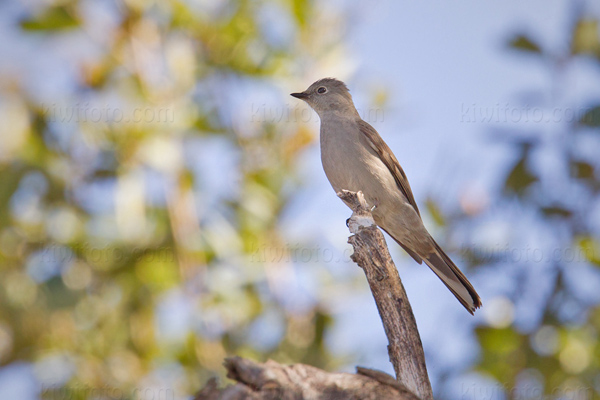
436 259
385 154
407 249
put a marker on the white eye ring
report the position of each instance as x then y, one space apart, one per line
322 90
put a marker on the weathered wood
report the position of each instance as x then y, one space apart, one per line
273 381
371 254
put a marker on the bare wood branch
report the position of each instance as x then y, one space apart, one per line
371 254
273 381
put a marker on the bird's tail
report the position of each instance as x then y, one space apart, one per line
453 278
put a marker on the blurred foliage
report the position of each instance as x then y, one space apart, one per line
131 256
51 19
523 43
541 338
120 268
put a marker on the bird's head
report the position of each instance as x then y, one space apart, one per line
328 94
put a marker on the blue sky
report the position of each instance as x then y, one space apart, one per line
451 81
439 62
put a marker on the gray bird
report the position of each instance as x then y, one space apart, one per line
355 158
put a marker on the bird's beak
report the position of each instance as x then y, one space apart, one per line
301 95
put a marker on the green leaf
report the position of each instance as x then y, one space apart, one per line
523 43
582 170
589 248
57 294
556 212
300 10
435 212
520 177
586 39
503 354
52 19
591 118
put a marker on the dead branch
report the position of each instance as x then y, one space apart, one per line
272 380
371 254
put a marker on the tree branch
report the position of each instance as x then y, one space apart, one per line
273 381
371 254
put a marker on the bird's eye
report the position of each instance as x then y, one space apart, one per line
322 90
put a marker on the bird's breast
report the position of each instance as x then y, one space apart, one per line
350 165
